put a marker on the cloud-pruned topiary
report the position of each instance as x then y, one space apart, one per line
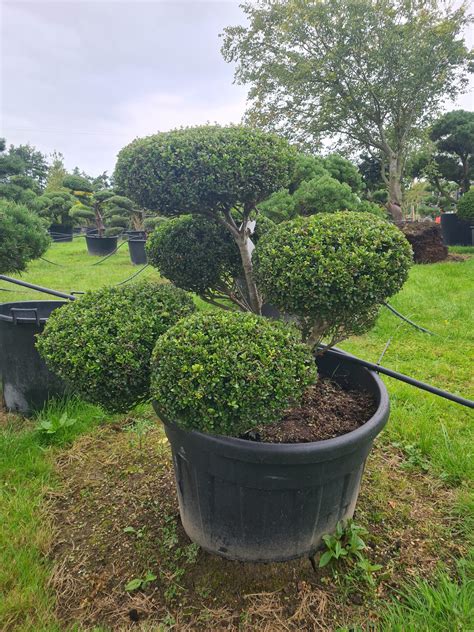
219 172
224 372
465 206
101 344
333 271
196 254
22 237
324 195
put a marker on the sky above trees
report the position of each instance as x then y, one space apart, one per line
85 78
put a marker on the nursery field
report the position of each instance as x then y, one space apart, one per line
89 523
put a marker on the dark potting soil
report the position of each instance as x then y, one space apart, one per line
326 411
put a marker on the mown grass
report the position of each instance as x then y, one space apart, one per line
434 433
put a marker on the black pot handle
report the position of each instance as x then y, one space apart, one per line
17 312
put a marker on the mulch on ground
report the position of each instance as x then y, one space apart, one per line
326 411
117 518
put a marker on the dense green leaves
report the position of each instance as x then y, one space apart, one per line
372 71
204 169
225 372
100 344
332 271
466 206
22 237
324 195
195 253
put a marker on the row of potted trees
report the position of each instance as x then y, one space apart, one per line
215 376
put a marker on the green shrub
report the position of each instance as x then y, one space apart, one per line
279 207
204 169
100 344
465 206
55 206
344 170
194 253
225 372
22 237
263 225
324 195
332 271
364 206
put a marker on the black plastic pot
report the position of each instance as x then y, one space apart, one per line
137 251
261 502
26 381
456 231
135 234
60 232
100 246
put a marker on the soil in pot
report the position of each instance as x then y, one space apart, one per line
326 411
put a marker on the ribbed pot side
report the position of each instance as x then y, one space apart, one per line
261 502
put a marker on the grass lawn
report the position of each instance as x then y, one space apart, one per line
91 507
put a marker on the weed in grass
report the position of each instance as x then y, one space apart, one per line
346 545
140 583
175 559
61 420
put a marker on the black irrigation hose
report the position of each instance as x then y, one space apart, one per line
38 288
133 275
407 320
60 265
405 378
110 254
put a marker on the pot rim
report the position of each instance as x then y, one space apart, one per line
25 320
256 450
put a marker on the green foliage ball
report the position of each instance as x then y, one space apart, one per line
194 253
344 171
465 206
279 207
77 183
365 206
101 344
324 195
225 372
332 270
204 169
22 237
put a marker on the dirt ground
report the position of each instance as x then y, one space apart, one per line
117 519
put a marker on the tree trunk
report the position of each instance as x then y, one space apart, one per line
394 204
466 182
253 295
99 222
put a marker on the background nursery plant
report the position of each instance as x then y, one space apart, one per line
22 237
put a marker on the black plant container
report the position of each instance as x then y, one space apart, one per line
135 234
27 383
100 246
260 502
137 251
60 232
456 231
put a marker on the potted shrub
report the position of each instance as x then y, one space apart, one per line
101 343
219 380
90 205
466 211
121 212
26 381
56 206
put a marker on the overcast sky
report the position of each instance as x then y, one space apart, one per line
85 78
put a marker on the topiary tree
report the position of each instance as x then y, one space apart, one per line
56 207
222 173
22 237
121 212
198 255
344 171
324 195
220 372
90 204
101 344
465 206
332 271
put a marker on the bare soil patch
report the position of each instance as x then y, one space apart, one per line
116 518
326 411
